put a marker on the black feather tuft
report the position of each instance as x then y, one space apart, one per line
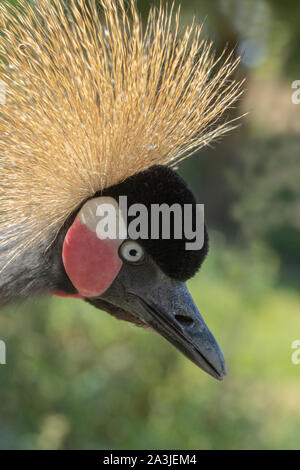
158 185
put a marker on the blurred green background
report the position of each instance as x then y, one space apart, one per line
78 379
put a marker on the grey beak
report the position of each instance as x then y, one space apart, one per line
172 312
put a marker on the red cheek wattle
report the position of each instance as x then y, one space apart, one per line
91 263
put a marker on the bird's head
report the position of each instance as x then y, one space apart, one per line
142 280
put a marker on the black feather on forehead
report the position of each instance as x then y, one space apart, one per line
162 185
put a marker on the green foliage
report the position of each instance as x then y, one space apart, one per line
77 378
287 20
268 194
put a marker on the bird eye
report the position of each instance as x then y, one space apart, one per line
131 252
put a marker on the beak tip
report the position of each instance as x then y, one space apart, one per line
223 369
218 365
214 365
221 376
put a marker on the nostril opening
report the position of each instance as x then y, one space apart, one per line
184 320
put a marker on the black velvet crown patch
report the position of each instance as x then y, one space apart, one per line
158 185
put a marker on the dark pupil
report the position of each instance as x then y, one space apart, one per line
133 252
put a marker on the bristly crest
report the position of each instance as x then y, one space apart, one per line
93 99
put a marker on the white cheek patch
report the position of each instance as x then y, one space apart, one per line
102 216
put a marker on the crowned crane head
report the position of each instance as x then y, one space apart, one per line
98 108
142 279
